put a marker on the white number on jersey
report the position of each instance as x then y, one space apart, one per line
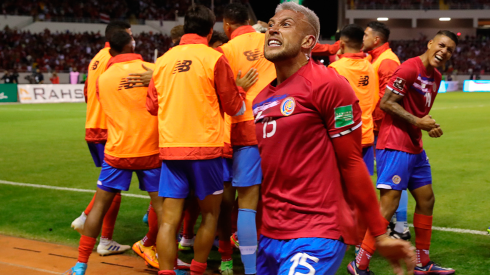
300 259
272 132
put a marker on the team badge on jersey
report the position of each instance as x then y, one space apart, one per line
399 83
287 106
396 179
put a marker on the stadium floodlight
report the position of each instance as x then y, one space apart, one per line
382 18
445 19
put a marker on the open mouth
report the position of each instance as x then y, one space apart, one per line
274 43
438 58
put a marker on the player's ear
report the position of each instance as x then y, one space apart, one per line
308 42
430 44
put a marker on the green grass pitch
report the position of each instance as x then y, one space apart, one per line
44 144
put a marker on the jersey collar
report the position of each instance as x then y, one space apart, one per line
107 45
378 51
192 38
125 57
242 30
353 55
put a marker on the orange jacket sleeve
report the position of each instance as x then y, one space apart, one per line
228 92
85 87
385 71
325 49
152 99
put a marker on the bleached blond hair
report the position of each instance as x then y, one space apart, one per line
311 17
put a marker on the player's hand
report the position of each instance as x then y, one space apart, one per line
396 250
141 79
248 80
435 132
426 123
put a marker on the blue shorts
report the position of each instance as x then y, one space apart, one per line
246 166
299 256
179 176
115 180
399 170
227 170
368 156
97 152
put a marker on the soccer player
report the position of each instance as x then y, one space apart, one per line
244 51
96 137
190 85
308 125
402 161
132 141
360 74
385 62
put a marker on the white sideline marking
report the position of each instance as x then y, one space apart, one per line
437 228
456 230
459 107
65 188
31 268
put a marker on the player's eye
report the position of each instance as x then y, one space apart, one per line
271 25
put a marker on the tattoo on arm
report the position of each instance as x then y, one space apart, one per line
389 103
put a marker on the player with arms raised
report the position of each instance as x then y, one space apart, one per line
402 161
308 126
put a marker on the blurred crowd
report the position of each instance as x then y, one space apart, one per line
95 10
418 4
64 52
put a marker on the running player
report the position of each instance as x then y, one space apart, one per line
402 161
189 85
132 143
308 125
96 137
244 52
385 62
360 74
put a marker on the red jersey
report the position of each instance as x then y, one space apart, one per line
419 89
295 124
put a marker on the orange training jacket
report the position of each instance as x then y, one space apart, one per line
132 132
95 123
191 87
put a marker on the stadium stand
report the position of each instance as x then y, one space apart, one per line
96 10
417 4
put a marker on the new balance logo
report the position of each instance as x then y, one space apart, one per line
182 66
125 85
364 81
253 55
94 67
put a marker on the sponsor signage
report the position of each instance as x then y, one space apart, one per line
476 86
448 86
50 93
8 93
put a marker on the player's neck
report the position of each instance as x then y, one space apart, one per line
425 61
286 68
350 50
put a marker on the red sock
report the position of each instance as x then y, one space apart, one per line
368 247
110 218
85 248
151 236
166 272
89 206
225 250
198 268
191 214
423 233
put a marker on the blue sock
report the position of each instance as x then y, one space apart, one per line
247 238
401 212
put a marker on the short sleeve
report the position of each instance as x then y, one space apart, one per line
402 79
337 105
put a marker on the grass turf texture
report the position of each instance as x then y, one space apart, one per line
44 144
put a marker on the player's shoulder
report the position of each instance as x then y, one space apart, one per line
149 65
319 75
